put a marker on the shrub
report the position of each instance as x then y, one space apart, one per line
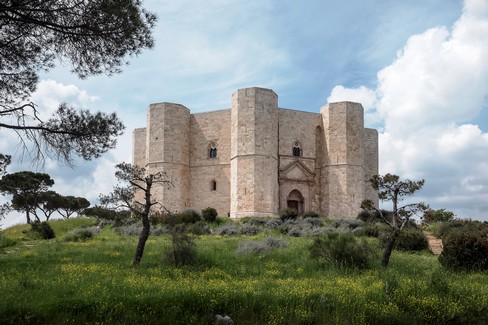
209 214
79 235
254 247
409 239
465 250
341 250
310 214
183 250
187 216
43 229
229 230
462 225
249 230
108 216
373 216
6 242
440 215
288 214
199 228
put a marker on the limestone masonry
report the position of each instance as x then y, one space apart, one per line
256 159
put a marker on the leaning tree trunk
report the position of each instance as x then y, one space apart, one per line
146 226
389 247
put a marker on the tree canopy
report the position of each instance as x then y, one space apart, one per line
92 37
25 187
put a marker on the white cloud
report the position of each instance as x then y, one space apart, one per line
438 83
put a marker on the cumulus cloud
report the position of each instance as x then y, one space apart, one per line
428 99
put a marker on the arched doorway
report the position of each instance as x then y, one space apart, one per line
295 201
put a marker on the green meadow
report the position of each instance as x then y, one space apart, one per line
92 282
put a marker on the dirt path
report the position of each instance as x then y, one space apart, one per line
435 244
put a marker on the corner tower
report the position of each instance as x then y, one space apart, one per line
343 181
254 153
168 149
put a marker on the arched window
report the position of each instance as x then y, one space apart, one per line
213 185
297 149
212 151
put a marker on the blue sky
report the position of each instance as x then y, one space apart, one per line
418 67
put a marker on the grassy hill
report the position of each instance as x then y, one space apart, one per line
60 281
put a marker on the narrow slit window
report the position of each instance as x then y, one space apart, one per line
297 150
212 153
213 185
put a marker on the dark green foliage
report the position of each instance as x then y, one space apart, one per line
117 218
189 216
80 235
288 214
25 188
183 250
342 250
440 215
410 239
462 225
209 214
465 251
310 214
199 228
43 229
92 38
373 216
185 217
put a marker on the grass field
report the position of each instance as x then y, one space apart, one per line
60 282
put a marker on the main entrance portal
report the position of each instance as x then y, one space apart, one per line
295 201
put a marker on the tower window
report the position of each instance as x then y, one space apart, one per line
212 152
213 185
297 150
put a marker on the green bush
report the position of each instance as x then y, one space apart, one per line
117 218
43 229
6 242
183 250
288 214
310 214
80 235
209 214
342 250
409 239
465 251
461 226
185 217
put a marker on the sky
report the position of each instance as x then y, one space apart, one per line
418 67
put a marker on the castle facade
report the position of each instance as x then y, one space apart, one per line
256 159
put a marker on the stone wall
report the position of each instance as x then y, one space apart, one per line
210 128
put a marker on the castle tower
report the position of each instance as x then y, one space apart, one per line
254 153
343 181
168 149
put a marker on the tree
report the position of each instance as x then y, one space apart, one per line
4 162
133 179
25 187
49 202
440 215
92 37
68 205
391 188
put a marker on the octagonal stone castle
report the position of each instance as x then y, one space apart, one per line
256 159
